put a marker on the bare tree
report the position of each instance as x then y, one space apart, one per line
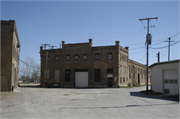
29 69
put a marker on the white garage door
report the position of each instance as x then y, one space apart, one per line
81 79
171 82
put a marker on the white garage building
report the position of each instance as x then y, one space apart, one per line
165 77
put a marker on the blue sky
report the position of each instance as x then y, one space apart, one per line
103 21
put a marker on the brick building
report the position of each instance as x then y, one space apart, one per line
10 48
81 65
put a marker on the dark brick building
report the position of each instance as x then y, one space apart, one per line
81 65
10 48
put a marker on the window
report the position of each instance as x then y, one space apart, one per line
175 81
171 81
165 81
76 58
120 80
57 59
47 59
67 75
120 69
120 57
109 56
97 57
123 79
97 75
109 70
129 72
84 57
124 69
67 58
46 72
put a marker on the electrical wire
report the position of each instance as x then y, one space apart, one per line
150 8
136 48
165 46
175 35
165 8
142 57
28 64
158 8
121 36
161 28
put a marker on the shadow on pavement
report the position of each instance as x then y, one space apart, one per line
157 96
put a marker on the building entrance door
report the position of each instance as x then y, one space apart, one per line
109 82
138 79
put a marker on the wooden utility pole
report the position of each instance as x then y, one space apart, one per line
158 55
169 48
45 45
52 46
148 43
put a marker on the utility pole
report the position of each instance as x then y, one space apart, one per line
45 45
158 55
46 66
169 47
52 46
147 42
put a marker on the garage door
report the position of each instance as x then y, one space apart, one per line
171 82
81 79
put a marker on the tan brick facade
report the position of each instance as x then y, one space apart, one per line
111 61
10 48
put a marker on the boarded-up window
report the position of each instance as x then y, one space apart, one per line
45 74
57 76
97 75
67 75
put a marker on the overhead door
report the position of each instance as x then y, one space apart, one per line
57 76
81 79
171 81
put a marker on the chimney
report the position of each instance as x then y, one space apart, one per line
63 42
127 48
90 42
117 43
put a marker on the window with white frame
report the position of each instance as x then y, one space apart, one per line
67 58
47 59
57 59
97 57
76 58
84 57
109 56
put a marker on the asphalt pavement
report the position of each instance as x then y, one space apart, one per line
34 102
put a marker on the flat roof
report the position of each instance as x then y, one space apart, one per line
166 62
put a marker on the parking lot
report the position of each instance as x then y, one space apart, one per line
34 102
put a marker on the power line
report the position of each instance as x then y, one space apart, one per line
28 64
165 8
150 8
175 34
165 46
161 28
121 35
158 8
136 48
142 57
